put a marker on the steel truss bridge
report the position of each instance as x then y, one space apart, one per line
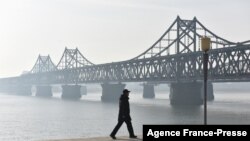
174 57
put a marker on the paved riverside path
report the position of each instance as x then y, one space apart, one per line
101 139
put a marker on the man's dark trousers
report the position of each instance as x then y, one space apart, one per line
119 124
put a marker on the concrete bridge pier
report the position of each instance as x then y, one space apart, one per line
210 91
148 91
83 90
71 92
186 93
23 90
111 92
43 91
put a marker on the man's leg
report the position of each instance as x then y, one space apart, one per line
130 128
117 127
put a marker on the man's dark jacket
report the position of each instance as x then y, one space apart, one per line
124 111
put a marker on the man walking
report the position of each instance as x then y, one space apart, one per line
124 115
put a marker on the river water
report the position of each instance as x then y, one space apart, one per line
25 118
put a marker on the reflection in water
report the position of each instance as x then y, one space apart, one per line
186 110
183 112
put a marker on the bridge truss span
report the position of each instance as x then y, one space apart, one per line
183 36
43 64
175 57
72 58
225 65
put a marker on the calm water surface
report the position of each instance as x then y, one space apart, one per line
25 118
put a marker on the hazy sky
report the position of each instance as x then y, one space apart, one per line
104 30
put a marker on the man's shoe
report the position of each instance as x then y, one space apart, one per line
113 137
134 137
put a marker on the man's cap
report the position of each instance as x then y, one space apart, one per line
126 91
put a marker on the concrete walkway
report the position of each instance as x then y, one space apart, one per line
102 139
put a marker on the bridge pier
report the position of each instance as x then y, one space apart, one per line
148 91
186 93
210 91
71 92
111 92
23 90
43 91
83 90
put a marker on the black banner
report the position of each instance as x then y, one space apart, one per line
163 132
